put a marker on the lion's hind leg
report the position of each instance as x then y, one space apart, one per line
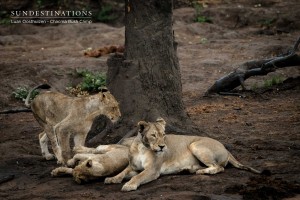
43 139
63 131
49 130
211 169
127 173
209 158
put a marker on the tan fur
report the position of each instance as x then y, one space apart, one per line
153 153
62 116
97 162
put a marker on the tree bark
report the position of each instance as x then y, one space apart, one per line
146 80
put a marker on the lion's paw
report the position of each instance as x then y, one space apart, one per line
49 156
129 187
57 171
79 149
201 172
54 172
112 180
61 162
71 162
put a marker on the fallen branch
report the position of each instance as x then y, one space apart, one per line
15 110
6 178
27 100
254 68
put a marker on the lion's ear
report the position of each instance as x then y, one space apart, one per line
89 163
142 125
161 121
102 90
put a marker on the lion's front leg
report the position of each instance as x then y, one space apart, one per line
59 171
83 149
126 173
78 158
145 176
101 149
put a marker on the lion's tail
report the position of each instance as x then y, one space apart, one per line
239 165
42 86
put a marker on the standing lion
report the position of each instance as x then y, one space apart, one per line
62 116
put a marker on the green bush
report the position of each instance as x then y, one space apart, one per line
275 80
22 92
91 82
106 14
4 18
268 83
267 22
199 17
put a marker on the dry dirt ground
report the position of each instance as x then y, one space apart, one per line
261 130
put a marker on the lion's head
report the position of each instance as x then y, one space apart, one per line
111 106
87 171
153 134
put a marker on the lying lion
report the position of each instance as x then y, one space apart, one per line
97 162
153 153
62 116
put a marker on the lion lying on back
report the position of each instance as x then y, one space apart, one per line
62 116
97 162
153 153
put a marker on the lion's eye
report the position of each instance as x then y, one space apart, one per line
153 135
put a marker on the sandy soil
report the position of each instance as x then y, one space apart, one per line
261 130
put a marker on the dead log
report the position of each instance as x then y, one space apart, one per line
254 68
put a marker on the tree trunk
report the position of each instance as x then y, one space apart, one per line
146 80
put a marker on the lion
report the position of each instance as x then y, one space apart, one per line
153 153
97 162
62 116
